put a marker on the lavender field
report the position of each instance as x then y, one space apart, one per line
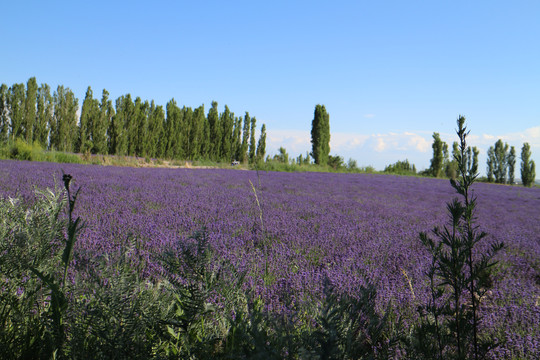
289 231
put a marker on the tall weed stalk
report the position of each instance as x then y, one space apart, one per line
459 274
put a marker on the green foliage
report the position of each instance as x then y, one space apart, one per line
320 135
401 168
100 125
63 126
282 156
20 150
490 164
459 278
16 103
336 162
252 142
528 173
437 161
36 246
500 166
350 327
215 131
130 128
4 113
89 115
261 145
511 160
30 102
44 115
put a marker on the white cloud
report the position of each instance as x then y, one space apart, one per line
381 149
298 142
380 145
369 116
530 135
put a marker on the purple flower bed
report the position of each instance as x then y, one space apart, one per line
352 228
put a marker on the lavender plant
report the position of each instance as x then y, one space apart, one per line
459 274
352 228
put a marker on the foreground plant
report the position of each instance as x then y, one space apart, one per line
35 254
459 274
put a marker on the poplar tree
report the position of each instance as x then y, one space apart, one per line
215 132
186 128
140 118
4 117
30 109
119 131
16 102
205 136
243 155
173 130
89 115
511 165
252 141
236 142
226 119
320 135
196 135
500 165
101 124
127 108
438 157
156 118
45 110
64 122
490 164
528 171
261 145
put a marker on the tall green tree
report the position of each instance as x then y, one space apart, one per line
119 127
16 103
205 137
101 124
45 112
197 133
156 120
4 113
261 145
320 135
511 165
252 141
140 118
243 155
236 142
64 123
186 128
226 119
451 165
127 110
173 130
528 171
89 115
30 102
490 164
501 162
215 132
438 156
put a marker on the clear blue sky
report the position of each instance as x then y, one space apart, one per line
390 73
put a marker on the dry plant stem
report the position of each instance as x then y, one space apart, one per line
262 230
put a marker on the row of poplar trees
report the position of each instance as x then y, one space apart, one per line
501 162
130 127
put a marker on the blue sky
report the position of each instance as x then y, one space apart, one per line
390 73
